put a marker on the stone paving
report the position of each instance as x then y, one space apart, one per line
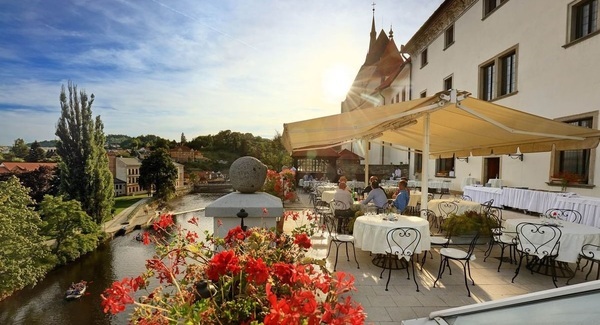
403 302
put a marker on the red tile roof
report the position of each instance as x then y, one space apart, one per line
21 167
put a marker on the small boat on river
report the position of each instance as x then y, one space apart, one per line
76 290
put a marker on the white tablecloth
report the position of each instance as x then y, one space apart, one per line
415 197
370 232
328 195
468 181
574 236
530 200
463 205
589 207
482 194
495 182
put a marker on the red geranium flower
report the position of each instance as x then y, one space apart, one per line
223 263
302 240
234 234
257 270
165 221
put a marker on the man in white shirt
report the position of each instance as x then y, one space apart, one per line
343 207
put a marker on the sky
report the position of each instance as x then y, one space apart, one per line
197 67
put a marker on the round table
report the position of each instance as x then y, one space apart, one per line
370 234
370 231
573 237
463 205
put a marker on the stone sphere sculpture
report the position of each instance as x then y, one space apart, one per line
247 174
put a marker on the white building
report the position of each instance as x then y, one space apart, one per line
536 56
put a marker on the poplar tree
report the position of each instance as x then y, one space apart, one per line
84 172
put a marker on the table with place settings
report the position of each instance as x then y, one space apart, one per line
370 231
463 205
574 236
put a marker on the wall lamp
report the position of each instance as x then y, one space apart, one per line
465 159
516 156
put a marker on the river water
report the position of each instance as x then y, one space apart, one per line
121 257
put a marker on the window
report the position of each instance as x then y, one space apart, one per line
418 162
312 165
508 78
443 166
490 6
487 82
577 163
424 94
498 76
583 18
449 36
424 58
448 83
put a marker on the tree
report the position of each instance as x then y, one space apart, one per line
74 230
85 176
183 139
39 182
159 172
24 257
20 149
36 153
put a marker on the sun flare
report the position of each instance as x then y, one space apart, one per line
336 82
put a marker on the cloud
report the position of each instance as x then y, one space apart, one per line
198 67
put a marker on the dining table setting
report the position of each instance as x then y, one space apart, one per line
370 231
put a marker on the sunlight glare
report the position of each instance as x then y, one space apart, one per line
336 82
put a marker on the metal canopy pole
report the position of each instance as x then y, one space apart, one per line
367 153
425 164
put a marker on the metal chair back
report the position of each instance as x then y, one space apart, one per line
565 215
447 208
539 240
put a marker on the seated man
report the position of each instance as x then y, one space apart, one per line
369 187
403 197
377 195
342 206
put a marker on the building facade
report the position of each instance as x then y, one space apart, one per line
535 56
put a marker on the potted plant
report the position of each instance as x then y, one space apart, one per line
469 223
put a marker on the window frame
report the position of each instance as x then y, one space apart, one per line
424 58
448 165
486 12
498 78
572 22
449 36
448 78
555 155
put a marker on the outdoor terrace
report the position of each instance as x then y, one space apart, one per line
402 301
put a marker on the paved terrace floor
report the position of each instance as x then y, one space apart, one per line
403 302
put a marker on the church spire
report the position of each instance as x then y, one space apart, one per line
373 33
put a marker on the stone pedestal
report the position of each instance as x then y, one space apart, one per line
226 208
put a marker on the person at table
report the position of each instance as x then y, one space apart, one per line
342 207
401 200
377 195
369 187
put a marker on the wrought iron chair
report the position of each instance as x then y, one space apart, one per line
322 209
402 244
487 206
464 257
542 242
501 238
338 239
565 215
342 213
466 198
446 208
590 253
